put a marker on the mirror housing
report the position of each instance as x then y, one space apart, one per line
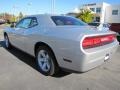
13 24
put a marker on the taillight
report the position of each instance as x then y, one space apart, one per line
91 42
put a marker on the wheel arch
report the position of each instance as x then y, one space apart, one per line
43 44
4 33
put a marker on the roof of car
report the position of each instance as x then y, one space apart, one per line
38 15
45 19
45 15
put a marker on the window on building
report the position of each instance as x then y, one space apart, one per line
114 12
97 19
98 10
92 9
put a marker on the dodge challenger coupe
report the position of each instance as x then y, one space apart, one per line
61 42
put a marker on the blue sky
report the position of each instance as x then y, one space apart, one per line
44 6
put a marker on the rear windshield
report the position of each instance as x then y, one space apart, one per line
65 20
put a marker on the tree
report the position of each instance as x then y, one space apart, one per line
5 16
20 16
8 17
13 18
85 15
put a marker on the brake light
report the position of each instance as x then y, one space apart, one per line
91 42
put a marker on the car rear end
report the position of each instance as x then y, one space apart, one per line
81 47
96 49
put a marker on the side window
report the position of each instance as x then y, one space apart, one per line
24 23
19 24
33 22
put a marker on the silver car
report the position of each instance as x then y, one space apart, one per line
61 42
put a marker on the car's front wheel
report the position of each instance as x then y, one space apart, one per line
7 42
46 61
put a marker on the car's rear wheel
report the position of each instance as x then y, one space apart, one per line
46 61
7 42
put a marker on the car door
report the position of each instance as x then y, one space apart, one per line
18 33
29 35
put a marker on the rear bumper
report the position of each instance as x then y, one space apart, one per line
94 59
80 60
83 61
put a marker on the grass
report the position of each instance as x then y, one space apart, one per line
7 24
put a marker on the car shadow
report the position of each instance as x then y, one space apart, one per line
29 60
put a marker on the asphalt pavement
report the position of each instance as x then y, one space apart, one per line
18 72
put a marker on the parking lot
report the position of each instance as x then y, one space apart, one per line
18 72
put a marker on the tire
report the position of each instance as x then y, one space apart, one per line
7 42
46 61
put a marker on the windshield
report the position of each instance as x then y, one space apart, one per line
65 20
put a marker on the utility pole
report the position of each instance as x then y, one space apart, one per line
29 5
14 7
53 6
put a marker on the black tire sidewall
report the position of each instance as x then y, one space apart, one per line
9 45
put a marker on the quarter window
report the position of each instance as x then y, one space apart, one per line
114 12
33 22
64 20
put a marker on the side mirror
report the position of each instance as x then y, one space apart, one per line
12 25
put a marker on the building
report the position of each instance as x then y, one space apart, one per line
104 12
